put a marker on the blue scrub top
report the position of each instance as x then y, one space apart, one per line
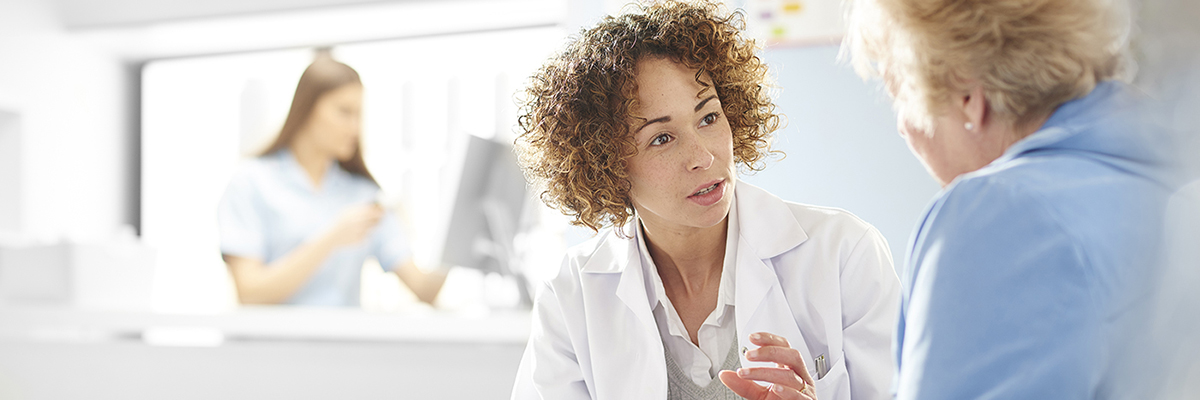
1024 278
271 207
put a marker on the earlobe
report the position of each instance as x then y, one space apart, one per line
974 108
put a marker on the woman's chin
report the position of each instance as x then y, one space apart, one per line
715 215
344 156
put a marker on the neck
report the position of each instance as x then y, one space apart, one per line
311 159
1010 133
999 139
690 259
1024 130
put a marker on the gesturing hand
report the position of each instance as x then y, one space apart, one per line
788 379
354 224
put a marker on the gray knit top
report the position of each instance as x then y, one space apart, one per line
681 387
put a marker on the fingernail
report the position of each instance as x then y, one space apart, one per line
742 372
756 336
777 389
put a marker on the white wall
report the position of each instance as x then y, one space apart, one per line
70 98
841 144
10 170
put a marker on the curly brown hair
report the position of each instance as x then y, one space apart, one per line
575 120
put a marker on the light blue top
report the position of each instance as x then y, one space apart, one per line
271 207
1024 279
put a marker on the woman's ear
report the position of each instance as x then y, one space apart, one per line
974 108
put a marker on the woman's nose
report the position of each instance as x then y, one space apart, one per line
701 157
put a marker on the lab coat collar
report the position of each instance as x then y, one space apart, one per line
621 257
768 227
614 257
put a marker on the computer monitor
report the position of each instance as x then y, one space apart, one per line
487 211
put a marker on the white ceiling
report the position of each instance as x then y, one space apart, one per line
174 28
81 14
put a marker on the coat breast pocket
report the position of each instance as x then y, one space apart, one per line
835 384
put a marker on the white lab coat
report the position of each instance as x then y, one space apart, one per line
818 276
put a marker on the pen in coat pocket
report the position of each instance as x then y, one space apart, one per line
822 368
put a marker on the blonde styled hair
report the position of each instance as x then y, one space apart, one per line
1030 56
575 134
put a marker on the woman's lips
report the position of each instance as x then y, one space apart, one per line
710 194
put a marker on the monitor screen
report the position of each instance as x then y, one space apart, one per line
486 212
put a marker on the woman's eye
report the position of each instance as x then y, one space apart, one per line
660 140
709 119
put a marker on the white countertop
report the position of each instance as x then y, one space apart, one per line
60 352
256 323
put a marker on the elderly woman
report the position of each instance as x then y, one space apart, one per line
1028 267
637 128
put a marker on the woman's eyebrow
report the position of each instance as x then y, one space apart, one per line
653 121
703 102
668 119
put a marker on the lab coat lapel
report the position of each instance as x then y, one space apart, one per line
767 229
621 330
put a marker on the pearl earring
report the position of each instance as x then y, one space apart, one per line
969 126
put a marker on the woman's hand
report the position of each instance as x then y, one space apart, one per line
788 380
353 225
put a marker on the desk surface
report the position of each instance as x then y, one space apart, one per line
250 323
54 353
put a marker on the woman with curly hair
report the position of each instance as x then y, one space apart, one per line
636 129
